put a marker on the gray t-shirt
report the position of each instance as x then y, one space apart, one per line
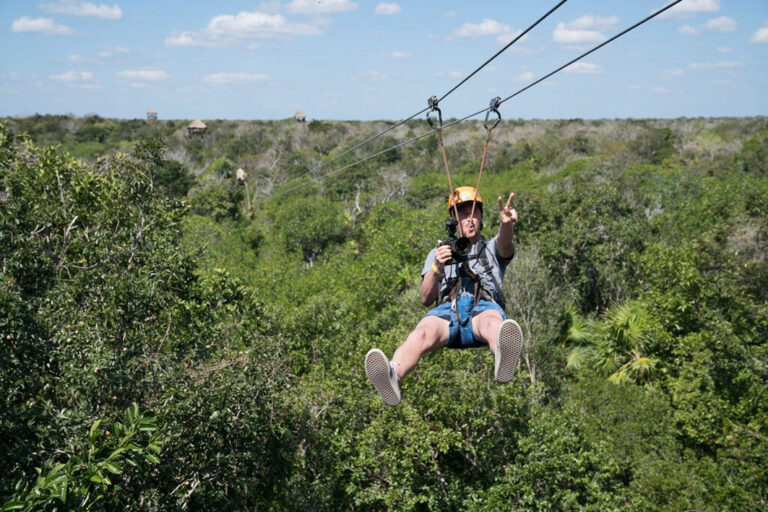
484 260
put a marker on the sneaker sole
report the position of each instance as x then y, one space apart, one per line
377 370
509 345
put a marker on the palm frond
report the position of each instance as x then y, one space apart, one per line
579 357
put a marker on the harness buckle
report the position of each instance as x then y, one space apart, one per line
493 107
432 103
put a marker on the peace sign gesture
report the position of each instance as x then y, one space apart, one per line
507 215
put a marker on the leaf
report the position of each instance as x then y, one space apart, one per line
95 431
113 468
147 424
13 505
152 458
132 413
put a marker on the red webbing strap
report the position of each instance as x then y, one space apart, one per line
480 175
448 173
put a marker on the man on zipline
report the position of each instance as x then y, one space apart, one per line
468 288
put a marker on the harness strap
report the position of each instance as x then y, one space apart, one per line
448 174
482 164
455 283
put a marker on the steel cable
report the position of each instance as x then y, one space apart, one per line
473 73
519 36
413 139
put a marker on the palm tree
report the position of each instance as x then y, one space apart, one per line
626 328
614 346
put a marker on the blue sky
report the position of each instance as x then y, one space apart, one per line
344 59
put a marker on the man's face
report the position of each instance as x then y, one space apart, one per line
470 225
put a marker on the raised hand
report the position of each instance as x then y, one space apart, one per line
507 215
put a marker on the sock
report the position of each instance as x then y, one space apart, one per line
392 365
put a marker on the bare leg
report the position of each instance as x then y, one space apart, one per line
429 335
485 327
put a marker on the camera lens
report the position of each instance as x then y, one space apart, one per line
462 246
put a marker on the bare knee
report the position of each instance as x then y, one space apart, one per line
425 338
486 325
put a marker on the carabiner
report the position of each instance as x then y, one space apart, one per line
495 102
432 103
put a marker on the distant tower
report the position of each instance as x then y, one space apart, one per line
300 116
151 115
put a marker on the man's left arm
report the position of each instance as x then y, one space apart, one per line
505 243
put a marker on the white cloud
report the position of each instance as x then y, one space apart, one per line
674 72
387 9
73 76
564 35
583 68
488 27
225 29
103 11
397 54
724 49
75 58
320 7
524 77
721 24
507 38
589 22
705 66
761 36
583 30
660 89
190 39
144 75
257 25
372 76
77 79
235 78
450 74
40 25
688 8
113 51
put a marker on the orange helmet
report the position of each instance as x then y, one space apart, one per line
464 195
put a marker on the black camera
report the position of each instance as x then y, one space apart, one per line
461 246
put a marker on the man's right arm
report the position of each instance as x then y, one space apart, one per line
430 283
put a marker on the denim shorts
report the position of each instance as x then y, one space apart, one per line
460 330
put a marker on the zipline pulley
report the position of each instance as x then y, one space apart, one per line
432 103
495 102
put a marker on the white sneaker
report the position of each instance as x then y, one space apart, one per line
509 344
383 377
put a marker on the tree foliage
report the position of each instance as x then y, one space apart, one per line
169 343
